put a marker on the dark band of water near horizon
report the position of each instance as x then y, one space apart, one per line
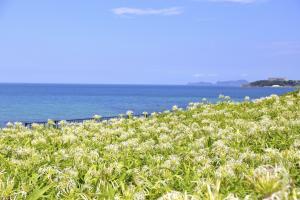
57 122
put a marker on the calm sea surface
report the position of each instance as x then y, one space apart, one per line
36 102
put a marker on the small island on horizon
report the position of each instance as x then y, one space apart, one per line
270 82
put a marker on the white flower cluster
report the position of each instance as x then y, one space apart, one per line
227 150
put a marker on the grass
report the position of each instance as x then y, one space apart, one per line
228 150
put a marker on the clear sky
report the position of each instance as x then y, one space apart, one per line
148 41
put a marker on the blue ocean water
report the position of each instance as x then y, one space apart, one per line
39 102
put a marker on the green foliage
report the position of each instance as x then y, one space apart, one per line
38 193
228 150
269 83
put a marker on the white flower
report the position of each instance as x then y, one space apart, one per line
24 151
247 98
231 197
96 117
129 113
18 124
112 147
174 108
173 195
139 196
227 98
9 125
221 96
172 163
69 138
145 114
297 143
71 172
50 122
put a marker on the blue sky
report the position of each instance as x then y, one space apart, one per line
147 41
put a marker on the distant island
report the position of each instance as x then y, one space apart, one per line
274 82
236 83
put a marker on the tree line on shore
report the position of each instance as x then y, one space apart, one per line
270 83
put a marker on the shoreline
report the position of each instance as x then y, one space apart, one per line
212 99
57 122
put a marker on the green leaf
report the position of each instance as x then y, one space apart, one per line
39 192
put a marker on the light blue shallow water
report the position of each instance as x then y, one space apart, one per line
39 102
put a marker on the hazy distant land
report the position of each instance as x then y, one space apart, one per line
271 82
235 83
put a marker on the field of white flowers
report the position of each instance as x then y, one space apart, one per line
228 150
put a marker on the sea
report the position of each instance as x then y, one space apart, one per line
40 102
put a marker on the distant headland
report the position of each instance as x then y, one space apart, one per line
274 82
270 82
